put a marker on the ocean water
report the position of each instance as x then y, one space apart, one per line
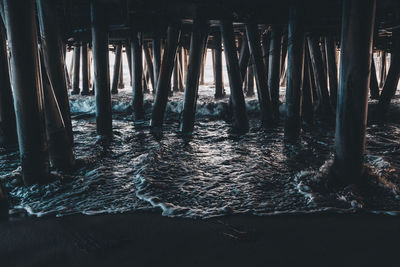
215 172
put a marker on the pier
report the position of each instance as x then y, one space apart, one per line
303 63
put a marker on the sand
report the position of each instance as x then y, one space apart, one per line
149 239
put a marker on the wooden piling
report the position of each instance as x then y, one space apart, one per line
116 70
137 75
373 83
164 79
60 147
219 79
249 83
22 35
85 70
274 68
295 61
121 84
351 117
149 62
266 40
307 99
383 69
196 56
203 66
244 57
54 58
175 75
392 78
324 105
129 56
264 97
235 80
330 47
8 127
101 68
284 50
77 64
156 45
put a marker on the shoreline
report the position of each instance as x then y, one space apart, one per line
149 239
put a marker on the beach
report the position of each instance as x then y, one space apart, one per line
149 239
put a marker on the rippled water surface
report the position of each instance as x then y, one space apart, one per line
215 172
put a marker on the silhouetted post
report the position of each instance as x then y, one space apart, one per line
294 73
351 117
85 70
332 68
117 67
235 80
264 97
244 57
392 78
284 51
323 56
22 32
274 68
8 127
60 147
69 85
121 84
89 71
129 56
383 69
203 66
54 58
219 79
308 99
373 83
175 75
319 75
197 44
77 64
70 73
266 39
249 83
157 61
180 74
137 75
150 67
101 68
164 79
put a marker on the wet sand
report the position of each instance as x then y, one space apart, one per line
149 239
